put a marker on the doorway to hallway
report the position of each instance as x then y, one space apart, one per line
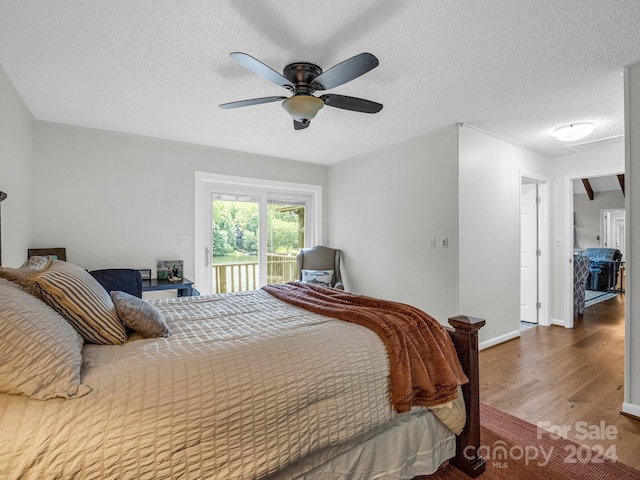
534 251
593 218
529 252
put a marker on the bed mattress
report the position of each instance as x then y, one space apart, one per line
246 386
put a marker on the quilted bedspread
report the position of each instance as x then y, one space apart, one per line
244 386
424 366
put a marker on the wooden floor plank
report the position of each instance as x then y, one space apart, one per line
567 377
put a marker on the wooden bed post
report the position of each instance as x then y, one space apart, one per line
465 339
2 197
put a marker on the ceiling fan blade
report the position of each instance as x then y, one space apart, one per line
351 103
253 101
299 125
259 68
345 71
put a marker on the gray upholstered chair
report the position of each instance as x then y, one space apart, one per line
580 274
320 258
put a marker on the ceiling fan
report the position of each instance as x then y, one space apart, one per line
303 79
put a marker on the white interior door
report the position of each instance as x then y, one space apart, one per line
528 253
619 235
612 228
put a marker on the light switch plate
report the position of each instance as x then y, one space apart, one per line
444 242
184 240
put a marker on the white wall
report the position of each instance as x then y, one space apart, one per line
608 159
15 173
384 207
456 182
115 200
489 218
632 179
588 215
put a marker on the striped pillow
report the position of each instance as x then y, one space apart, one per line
79 298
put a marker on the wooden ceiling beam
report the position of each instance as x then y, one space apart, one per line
587 187
621 182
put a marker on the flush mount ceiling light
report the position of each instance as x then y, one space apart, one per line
574 131
302 108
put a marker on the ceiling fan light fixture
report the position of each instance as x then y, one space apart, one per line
574 131
302 108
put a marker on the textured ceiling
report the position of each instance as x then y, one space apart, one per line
160 68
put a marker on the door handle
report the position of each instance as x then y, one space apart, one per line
207 256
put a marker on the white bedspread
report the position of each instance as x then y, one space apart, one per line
245 386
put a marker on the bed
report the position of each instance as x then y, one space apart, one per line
241 385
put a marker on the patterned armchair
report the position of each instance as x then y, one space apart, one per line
580 275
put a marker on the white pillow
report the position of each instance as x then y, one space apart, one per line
319 277
40 353
79 298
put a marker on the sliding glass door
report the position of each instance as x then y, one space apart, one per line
285 237
234 242
252 234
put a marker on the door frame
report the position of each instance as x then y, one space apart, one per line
567 248
529 298
203 182
607 231
544 244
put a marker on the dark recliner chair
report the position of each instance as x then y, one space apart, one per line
320 258
604 264
125 280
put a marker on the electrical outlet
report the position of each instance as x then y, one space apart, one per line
432 242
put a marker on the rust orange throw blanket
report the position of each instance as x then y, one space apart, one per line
424 366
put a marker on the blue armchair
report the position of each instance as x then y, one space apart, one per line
121 279
604 264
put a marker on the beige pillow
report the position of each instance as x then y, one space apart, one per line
79 298
40 353
22 275
139 315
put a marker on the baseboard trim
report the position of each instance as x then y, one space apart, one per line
555 321
497 340
631 410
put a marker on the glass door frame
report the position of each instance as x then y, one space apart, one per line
205 182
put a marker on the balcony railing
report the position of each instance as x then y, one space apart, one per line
239 277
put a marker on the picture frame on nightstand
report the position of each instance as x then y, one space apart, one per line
145 273
54 253
171 270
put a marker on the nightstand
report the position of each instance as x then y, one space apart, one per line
184 286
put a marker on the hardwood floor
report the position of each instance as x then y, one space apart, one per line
566 376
